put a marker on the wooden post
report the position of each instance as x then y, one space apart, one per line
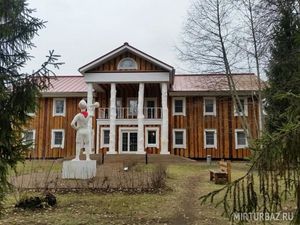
102 159
146 158
229 170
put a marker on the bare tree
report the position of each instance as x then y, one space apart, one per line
208 43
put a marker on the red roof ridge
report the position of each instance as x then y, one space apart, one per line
66 76
214 74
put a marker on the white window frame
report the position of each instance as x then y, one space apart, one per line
214 113
183 113
127 68
184 138
215 138
237 146
102 145
33 136
53 145
245 107
156 129
54 107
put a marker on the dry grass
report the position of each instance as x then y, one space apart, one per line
177 205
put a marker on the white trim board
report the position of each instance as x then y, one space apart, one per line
124 77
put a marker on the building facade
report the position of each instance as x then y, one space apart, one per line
146 107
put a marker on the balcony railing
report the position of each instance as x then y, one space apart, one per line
131 113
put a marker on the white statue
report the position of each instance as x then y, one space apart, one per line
83 132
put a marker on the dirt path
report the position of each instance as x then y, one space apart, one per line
187 208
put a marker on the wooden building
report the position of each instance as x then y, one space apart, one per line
146 107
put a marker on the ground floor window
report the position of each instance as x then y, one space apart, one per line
152 137
240 139
29 138
179 138
58 138
210 138
105 137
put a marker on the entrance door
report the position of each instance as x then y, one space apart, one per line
129 141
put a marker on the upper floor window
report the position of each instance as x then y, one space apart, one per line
179 106
243 109
59 107
127 64
209 105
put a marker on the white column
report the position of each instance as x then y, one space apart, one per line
165 119
140 117
112 124
90 91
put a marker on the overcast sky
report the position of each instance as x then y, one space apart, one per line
81 31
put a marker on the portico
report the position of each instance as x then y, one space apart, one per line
133 113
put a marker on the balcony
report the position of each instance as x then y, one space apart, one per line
130 113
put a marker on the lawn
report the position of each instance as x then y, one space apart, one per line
178 204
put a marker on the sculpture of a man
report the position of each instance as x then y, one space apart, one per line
83 133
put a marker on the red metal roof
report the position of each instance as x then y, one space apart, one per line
68 84
214 82
197 82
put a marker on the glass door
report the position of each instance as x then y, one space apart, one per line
129 141
150 106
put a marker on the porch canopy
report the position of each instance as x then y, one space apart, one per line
129 65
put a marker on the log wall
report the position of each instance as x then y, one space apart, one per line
224 122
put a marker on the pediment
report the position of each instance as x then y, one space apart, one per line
137 61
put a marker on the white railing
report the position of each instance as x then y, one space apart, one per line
131 113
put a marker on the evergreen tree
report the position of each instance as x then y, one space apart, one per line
284 66
18 90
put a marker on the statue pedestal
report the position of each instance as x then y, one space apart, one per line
81 169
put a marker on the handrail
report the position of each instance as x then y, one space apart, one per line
130 113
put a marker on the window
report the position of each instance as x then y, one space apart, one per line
119 108
209 105
127 64
105 137
133 107
58 139
240 139
31 113
152 137
59 106
238 111
179 138
150 110
179 106
29 137
210 138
